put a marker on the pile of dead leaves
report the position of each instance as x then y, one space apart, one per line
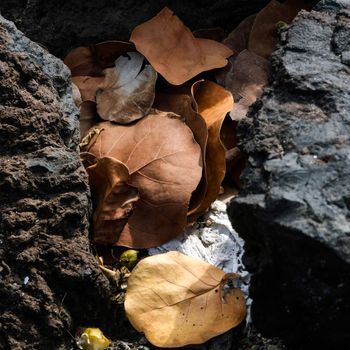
157 119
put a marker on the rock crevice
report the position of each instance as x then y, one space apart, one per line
294 208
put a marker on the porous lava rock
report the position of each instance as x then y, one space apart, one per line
50 282
294 208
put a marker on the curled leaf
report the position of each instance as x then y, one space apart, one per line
76 95
92 339
127 91
173 51
178 300
164 164
237 40
115 199
246 81
213 103
263 35
81 62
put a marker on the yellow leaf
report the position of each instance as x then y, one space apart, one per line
92 339
178 300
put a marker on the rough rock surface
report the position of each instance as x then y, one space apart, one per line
49 280
63 25
294 210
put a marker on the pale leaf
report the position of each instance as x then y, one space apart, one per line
178 300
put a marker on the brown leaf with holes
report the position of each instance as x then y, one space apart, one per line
116 198
263 35
185 106
246 81
173 51
165 165
127 90
176 300
213 103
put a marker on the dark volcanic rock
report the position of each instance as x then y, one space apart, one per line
50 283
63 25
294 210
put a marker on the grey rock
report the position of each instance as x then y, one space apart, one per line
293 210
50 282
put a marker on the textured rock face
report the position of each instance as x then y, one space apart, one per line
49 281
63 25
294 210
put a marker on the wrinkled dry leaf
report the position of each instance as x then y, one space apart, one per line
178 300
263 35
237 40
185 106
91 60
88 117
213 103
107 52
87 86
246 81
81 62
76 95
127 91
173 51
116 198
165 165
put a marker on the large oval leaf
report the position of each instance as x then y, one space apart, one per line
164 164
178 300
173 51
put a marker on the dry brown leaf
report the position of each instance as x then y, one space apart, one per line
213 103
87 86
178 300
127 91
91 60
246 81
173 51
237 40
81 62
263 35
76 95
165 165
185 106
88 117
107 52
108 177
